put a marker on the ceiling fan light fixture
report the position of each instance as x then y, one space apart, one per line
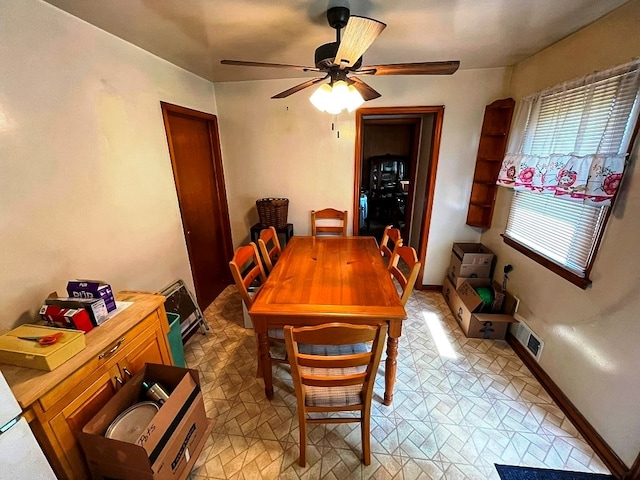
335 97
355 99
321 97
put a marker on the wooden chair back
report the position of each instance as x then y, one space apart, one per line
246 267
393 235
270 254
338 228
335 378
404 267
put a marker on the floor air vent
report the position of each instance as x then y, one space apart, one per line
527 338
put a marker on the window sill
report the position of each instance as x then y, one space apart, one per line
583 283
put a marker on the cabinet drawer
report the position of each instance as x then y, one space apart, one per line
104 360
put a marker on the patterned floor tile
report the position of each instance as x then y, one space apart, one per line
460 405
417 440
384 467
418 469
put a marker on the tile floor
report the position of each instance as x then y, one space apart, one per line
460 406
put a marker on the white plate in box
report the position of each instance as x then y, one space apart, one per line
129 425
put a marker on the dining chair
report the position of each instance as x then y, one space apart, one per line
404 267
248 274
269 254
390 234
337 227
332 378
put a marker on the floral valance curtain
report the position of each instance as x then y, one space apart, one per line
571 141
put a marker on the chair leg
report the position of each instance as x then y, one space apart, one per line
302 461
366 437
259 372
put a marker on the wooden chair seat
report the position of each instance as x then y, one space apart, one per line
340 396
249 275
337 374
276 333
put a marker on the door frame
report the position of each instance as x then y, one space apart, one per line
427 201
220 194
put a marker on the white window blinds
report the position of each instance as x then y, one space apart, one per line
564 232
586 119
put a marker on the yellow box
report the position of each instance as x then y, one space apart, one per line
30 354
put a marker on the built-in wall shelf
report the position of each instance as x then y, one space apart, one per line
491 150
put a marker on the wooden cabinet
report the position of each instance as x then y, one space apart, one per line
491 150
61 402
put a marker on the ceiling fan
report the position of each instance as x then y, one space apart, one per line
341 61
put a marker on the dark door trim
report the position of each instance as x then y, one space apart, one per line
427 203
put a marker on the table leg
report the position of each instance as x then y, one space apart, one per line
265 362
390 369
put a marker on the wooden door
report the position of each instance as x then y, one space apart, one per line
194 146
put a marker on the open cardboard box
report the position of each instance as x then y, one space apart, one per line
171 442
469 260
464 302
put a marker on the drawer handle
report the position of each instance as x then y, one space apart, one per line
118 380
127 372
112 351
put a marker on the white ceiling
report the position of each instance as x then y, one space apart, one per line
197 34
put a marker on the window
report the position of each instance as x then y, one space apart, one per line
564 232
565 163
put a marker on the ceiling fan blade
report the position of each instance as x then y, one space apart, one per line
242 63
420 68
299 87
365 90
359 34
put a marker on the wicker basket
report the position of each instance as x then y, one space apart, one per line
273 211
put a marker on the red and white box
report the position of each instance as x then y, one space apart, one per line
75 318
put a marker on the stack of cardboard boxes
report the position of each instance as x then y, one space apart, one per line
470 272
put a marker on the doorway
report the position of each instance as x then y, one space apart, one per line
388 165
395 169
196 159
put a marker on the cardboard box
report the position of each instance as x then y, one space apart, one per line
75 318
464 303
473 281
92 289
95 307
473 254
170 443
30 354
470 260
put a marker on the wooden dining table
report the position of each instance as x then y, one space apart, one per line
328 279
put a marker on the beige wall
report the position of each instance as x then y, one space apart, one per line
287 148
591 336
86 185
